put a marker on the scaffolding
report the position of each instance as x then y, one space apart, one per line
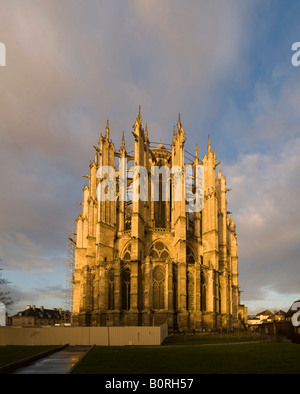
70 264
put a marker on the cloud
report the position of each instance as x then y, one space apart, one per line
49 297
19 253
70 67
264 196
50 292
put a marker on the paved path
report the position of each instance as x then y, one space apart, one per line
57 363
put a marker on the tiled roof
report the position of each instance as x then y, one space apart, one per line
266 313
280 312
40 313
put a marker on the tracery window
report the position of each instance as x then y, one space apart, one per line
175 279
217 294
127 252
111 289
203 292
159 251
158 288
189 255
190 291
126 289
128 215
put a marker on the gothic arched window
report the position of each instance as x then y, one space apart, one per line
158 288
111 289
203 292
190 291
189 255
159 251
127 256
128 215
175 292
127 252
126 289
217 292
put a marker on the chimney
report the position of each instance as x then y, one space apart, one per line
59 310
28 306
42 309
33 307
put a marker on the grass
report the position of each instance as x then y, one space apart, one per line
10 354
252 358
180 339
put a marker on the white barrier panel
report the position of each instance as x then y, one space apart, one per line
2 315
99 336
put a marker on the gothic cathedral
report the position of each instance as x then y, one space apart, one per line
145 262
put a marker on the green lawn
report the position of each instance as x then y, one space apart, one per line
180 339
253 358
10 354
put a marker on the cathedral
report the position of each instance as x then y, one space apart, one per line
150 261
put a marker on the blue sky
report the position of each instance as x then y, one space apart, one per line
224 65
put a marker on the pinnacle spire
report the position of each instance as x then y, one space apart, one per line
138 121
179 125
196 152
208 145
219 170
123 141
107 130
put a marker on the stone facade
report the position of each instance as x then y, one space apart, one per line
37 317
150 262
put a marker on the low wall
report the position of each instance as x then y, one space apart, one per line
86 336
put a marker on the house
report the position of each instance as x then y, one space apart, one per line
279 315
265 316
35 317
260 318
253 320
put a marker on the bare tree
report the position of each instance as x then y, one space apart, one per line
5 296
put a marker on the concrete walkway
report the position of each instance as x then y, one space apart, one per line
57 363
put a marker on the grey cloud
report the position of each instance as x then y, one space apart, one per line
264 196
49 297
70 66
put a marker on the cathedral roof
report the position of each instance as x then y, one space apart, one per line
160 146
